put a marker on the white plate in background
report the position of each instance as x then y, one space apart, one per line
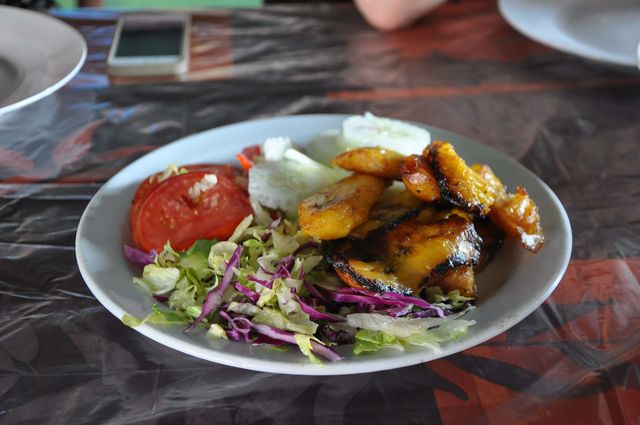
601 30
38 55
512 286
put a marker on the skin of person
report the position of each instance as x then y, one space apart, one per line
390 15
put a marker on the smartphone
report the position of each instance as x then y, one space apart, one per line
150 44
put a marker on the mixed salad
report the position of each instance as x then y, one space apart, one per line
238 254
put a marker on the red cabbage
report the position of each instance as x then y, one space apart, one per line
285 336
253 296
240 327
214 297
139 257
265 340
160 298
337 337
315 314
388 298
314 292
265 283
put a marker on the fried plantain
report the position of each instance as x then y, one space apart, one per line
419 179
458 183
332 212
417 251
461 278
492 181
373 275
393 207
379 162
492 237
517 215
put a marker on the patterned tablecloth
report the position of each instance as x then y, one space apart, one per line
65 360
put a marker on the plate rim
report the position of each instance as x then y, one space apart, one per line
504 8
65 79
329 369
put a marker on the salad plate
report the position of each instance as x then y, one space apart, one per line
512 286
38 55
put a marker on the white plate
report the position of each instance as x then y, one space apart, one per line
38 55
514 284
607 31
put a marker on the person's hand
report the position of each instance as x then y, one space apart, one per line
390 15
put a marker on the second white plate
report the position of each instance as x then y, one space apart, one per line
606 31
38 55
512 286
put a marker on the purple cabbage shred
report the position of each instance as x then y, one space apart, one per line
214 297
139 257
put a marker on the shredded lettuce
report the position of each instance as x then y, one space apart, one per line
435 295
156 317
158 280
370 340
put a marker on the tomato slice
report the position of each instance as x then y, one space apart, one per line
150 183
169 214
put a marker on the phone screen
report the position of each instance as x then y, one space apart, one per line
150 36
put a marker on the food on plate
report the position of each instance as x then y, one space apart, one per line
459 184
460 278
515 213
333 211
380 250
419 179
152 182
417 252
187 207
383 163
373 275
393 207
492 238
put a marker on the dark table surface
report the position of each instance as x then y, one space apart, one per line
65 360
